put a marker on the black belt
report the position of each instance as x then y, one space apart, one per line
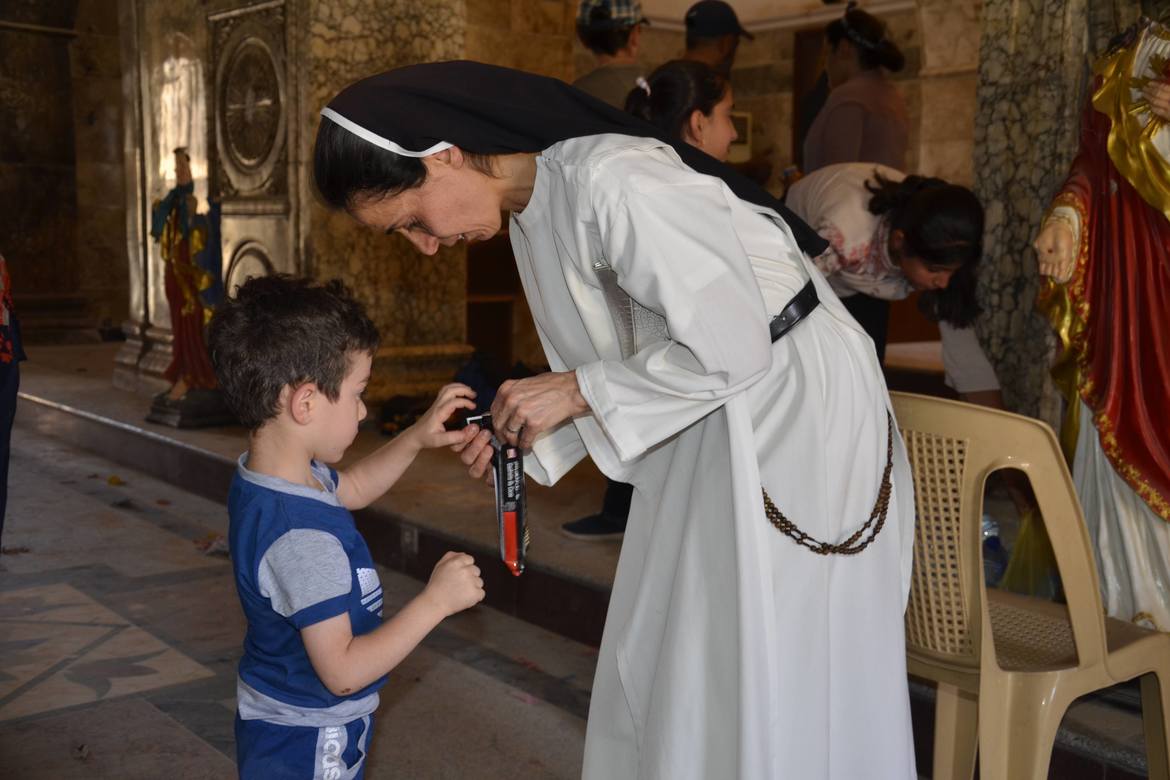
797 309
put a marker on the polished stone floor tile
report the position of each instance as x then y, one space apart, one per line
128 738
67 650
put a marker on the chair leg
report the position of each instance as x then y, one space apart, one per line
1156 724
1017 734
956 733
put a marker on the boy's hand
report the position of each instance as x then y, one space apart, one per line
429 432
455 584
476 453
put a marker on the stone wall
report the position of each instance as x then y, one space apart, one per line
417 302
101 195
532 35
61 183
38 174
946 85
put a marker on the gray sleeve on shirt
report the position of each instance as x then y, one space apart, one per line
302 568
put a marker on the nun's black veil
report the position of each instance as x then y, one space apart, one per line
486 109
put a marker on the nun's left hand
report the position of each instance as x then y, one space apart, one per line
525 408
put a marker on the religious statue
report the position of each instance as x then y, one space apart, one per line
1105 246
189 245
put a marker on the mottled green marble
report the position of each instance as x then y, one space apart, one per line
1034 64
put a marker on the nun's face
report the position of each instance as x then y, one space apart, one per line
455 202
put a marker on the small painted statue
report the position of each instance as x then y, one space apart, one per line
189 244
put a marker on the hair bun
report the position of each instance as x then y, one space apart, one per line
890 56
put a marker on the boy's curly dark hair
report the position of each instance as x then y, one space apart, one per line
284 330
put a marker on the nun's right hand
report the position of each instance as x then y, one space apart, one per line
476 454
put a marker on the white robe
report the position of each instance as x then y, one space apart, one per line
1131 542
729 651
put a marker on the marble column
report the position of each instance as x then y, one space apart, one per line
1033 69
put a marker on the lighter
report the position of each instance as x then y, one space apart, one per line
511 499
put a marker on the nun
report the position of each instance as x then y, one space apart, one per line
755 624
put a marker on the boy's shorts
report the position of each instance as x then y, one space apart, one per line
267 751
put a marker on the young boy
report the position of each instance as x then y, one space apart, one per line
293 358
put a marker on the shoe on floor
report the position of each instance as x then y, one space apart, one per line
595 528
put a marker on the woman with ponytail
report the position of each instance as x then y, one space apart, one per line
865 117
689 101
891 234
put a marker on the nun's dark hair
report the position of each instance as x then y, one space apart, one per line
677 89
943 227
348 170
868 35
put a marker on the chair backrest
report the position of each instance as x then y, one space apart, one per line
953 447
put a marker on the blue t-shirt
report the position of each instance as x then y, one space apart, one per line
298 560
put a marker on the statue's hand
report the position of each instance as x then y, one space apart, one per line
1055 250
1157 94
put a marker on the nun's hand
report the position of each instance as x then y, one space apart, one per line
526 408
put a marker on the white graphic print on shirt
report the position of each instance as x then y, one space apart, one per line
371 590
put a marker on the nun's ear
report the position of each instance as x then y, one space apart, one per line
451 156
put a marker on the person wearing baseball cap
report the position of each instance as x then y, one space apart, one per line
611 29
713 33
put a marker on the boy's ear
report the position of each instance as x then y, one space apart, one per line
301 400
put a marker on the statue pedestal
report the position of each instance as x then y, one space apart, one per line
197 408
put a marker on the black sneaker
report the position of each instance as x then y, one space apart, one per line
595 528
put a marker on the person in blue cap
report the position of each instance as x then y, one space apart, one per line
713 33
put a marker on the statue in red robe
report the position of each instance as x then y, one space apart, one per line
1105 246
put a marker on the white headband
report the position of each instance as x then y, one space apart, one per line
379 141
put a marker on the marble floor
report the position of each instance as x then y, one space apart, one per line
120 634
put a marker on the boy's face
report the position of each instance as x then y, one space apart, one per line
337 421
